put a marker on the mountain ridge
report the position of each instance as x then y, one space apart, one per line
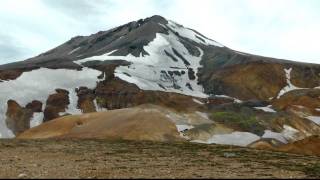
157 61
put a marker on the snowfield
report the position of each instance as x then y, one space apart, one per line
164 73
236 138
38 84
274 135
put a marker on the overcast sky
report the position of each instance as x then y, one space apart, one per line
288 29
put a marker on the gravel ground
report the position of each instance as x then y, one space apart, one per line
130 159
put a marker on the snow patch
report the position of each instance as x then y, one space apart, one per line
38 84
266 109
74 50
315 119
191 34
158 71
72 107
203 115
289 132
98 108
274 135
184 127
236 138
229 97
37 119
290 86
197 101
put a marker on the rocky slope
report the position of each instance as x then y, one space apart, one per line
242 98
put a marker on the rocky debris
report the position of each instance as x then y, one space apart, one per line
118 94
244 81
308 98
218 100
35 106
308 146
86 97
305 76
56 103
101 159
266 143
10 74
18 118
255 103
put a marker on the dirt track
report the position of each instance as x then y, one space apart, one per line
128 159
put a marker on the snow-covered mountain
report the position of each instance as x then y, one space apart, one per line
158 61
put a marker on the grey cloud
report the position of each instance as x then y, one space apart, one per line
77 9
10 49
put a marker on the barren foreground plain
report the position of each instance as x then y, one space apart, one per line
132 159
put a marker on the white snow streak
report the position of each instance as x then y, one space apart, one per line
266 109
290 86
229 97
98 108
150 72
274 135
76 49
315 119
197 101
192 35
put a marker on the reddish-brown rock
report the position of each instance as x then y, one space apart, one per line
10 74
18 118
35 106
85 99
55 104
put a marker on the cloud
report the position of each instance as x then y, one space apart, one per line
9 48
287 29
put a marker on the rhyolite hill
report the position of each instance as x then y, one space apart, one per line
211 93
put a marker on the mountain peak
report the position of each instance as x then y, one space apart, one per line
157 19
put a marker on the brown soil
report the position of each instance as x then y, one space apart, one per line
131 159
310 146
140 123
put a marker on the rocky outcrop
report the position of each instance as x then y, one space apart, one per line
307 146
35 106
302 97
55 104
116 94
245 81
86 99
10 74
18 118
